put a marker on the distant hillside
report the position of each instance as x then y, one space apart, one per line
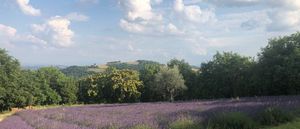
82 71
36 67
77 71
133 65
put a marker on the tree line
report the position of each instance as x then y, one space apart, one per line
275 71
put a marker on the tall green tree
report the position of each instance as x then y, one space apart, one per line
90 88
168 83
12 94
147 75
111 86
226 75
189 77
29 83
279 66
64 86
124 86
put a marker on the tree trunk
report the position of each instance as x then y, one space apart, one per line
171 97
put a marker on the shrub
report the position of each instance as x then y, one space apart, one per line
296 112
290 125
234 120
274 116
184 123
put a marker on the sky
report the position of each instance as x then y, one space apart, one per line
84 32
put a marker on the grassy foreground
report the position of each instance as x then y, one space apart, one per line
291 125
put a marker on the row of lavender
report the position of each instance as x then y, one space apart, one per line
156 115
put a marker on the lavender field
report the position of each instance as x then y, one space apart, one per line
156 115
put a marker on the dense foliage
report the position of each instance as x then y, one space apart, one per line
279 66
274 72
147 75
20 88
13 92
64 86
111 86
227 75
168 83
189 75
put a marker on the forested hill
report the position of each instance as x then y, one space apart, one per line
83 71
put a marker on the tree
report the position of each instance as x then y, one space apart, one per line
29 83
147 75
168 83
90 88
111 86
64 86
50 95
124 86
12 94
227 75
189 77
279 66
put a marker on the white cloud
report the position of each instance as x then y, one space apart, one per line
194 13
139 9
252 20
9 35
140 17
284 20
173 29
38 28
131 27
77 17
197 27
178 5
282 15
7 31
287 4
27 8
55 31
32 39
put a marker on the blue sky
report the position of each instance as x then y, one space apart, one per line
83 32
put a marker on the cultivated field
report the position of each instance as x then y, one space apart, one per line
156 115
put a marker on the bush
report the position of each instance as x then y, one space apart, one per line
296 112
290 125
184 123
274 116
234 120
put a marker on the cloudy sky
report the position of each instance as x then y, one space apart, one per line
66 32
